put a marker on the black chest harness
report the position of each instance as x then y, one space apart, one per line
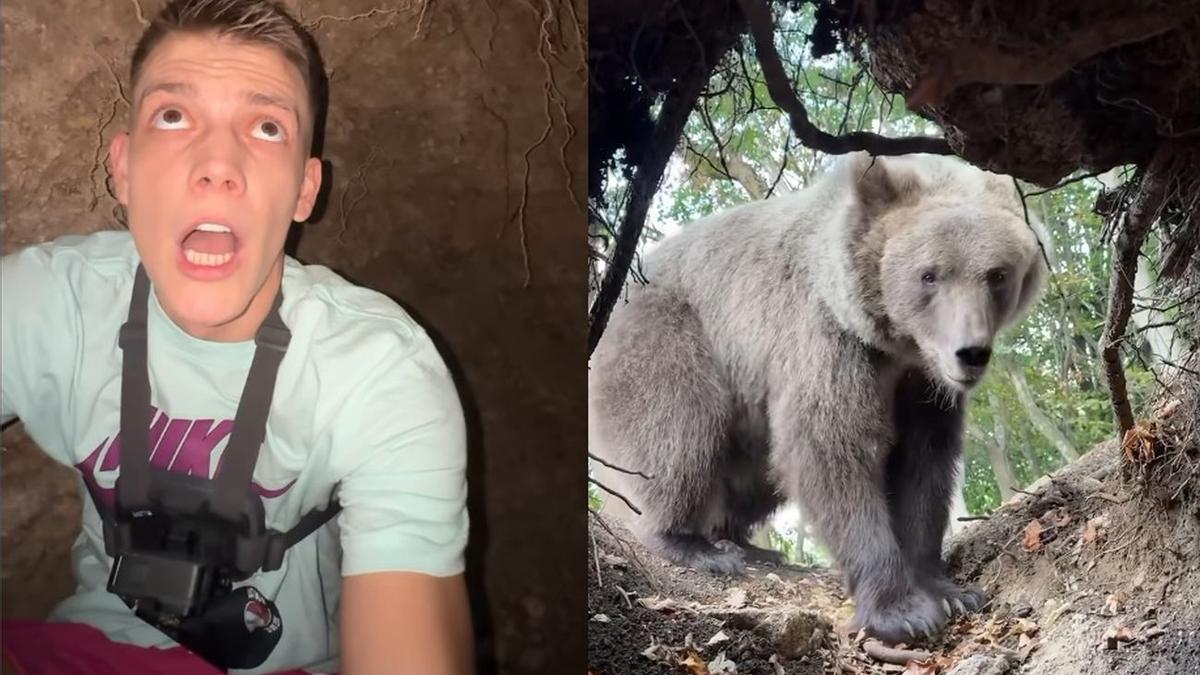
181 541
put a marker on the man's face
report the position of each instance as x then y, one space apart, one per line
213 171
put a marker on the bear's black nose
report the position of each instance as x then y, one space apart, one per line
975 357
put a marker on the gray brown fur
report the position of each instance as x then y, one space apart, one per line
793 349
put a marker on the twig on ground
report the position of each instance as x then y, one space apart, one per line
881 652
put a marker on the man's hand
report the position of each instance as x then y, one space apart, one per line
400 623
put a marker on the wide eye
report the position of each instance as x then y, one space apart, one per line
997 277
268 130
169 118
929 278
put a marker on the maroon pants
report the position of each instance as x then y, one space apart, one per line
50 648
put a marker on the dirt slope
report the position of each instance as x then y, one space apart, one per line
1095 569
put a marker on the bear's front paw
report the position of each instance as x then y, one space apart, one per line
955 599
917 613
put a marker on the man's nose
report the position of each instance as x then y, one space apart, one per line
218 168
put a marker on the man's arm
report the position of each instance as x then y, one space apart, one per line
405 623
400 449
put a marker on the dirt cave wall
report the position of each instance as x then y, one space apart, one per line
455 180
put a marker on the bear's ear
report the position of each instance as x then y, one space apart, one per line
1033 282
881 184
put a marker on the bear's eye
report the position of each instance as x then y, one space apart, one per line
929 278
997 277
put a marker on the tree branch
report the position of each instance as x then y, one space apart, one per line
758 15
622 469
676 108
1141 215
616 494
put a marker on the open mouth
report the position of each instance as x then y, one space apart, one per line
209 252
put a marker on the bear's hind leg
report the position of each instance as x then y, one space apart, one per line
750 498
696 551
660 405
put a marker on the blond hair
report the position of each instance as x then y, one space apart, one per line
263 22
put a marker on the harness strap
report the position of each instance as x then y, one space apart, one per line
250 423
133 484
241 454
279 543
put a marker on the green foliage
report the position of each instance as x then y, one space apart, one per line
595 500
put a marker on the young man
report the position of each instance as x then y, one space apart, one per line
214 169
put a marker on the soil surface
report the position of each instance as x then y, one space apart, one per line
1092 570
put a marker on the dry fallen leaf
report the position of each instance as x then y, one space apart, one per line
719 637
1139 443
1095 530
1116 634
695 664
1112 604
928 667
601 618
1025 627
1170 408
1033 535
722 666
665 605
657 652
736 598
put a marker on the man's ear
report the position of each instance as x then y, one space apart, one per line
118 166
309 188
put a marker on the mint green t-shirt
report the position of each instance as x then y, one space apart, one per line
364 410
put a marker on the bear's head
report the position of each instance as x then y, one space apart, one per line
955 257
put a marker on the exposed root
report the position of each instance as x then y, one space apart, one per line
421 17
491 43
467 37
581 40
141 16
378 11
552 94
504 160
359 176
98 156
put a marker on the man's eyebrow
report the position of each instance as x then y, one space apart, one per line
261 98
183 88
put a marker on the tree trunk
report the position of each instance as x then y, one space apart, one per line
1042 422
1166 351
998 450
